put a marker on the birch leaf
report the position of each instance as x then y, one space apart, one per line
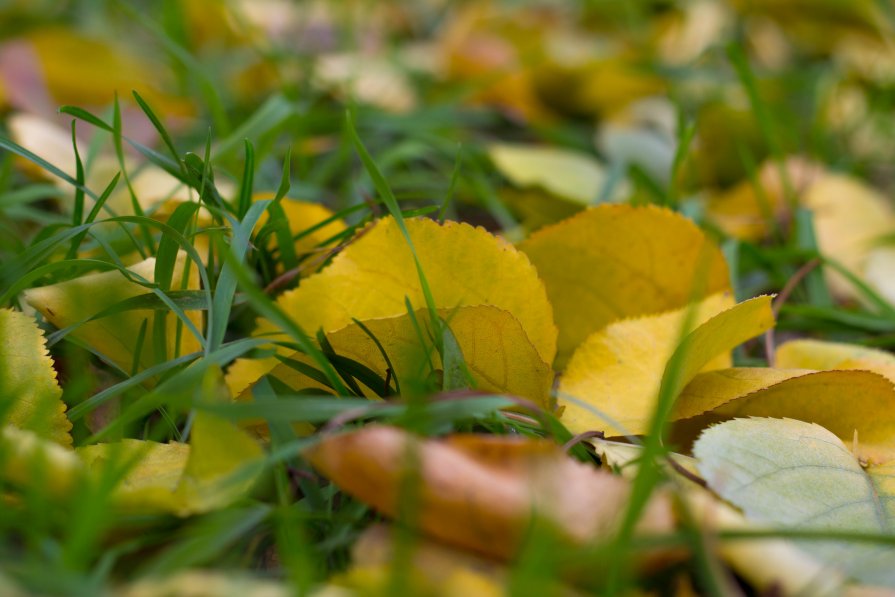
618 370
799 475
30 397
617 261
218 466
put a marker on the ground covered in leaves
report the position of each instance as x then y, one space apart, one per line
447 298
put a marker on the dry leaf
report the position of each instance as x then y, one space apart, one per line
482 493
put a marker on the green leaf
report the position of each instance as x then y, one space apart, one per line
800 475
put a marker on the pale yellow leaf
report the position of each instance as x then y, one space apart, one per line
205 583
617 261
849 218
211 471
569 175
822 355
799 475
29 459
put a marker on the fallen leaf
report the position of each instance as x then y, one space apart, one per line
29 459
77 69
768 564
849 218
115 337
368 78
463 266
567 175
799 475
152 186
484 504
824 355
617 261
30 397
498 354
847 403
618 371
644 133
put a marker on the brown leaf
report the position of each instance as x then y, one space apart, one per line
481 492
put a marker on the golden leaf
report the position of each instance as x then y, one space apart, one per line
617 261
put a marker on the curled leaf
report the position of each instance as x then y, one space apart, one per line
618 371
482 493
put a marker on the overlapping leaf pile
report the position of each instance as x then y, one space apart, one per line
543 363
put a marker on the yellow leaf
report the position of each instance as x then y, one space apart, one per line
823 355
220 464
29 459
30 397
153 472
302 216
617 261
847 403
483 492
618 370
115 336
213 470
499 356
748 209
768 564
765 563
463 265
